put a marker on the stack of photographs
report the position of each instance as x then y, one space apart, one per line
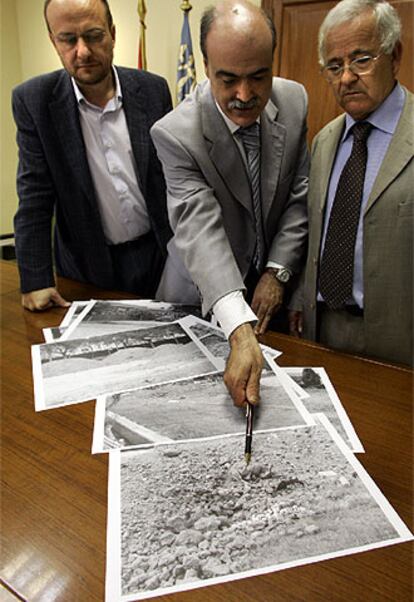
184 509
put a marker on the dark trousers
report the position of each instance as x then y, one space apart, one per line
138 265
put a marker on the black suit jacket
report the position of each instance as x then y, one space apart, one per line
54 178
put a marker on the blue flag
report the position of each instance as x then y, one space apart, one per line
186 75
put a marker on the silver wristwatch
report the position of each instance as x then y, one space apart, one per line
281 274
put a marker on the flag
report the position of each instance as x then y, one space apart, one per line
142 55
186 75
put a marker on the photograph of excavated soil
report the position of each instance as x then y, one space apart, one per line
193 514
76 370
189 409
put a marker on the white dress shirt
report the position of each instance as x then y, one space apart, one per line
111 162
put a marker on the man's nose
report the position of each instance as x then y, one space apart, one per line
82 48
244 91
347 75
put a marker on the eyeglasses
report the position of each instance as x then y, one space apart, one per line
91 38
363 65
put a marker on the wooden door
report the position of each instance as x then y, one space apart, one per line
297 24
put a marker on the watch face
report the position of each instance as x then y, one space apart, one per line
283 275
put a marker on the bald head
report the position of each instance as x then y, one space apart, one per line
236 18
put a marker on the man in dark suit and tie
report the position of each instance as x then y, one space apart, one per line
358 285
235 159
86 159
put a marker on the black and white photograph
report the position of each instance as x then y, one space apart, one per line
72 371
215 341
106 317
322 397
198 407
193 514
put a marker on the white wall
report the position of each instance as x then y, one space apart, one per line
27 51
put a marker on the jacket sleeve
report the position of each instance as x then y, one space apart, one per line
33 220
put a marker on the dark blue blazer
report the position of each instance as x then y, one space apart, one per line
53 178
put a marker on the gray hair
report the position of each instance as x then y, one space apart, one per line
209 16
387 21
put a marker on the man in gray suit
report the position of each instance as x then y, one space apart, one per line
87 159
360 53
237 205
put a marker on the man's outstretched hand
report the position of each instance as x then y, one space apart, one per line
244 366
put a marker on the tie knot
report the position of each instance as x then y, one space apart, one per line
361 130
250 136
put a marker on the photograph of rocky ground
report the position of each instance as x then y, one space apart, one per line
192 512
190 409
105 317
323 398
81 369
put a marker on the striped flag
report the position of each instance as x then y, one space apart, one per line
142 54
186 75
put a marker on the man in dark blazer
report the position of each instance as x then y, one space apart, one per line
87 162
239 217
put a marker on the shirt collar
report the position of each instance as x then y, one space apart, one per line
386 117
117 98
233 127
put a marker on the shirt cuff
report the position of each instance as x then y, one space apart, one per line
231 311
273 264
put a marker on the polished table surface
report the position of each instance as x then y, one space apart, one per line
54 492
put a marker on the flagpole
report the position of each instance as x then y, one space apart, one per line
186 75
142 53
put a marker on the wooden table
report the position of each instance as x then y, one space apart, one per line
54 491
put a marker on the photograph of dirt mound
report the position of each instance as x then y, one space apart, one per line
194 512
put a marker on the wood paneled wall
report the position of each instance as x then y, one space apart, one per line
297 24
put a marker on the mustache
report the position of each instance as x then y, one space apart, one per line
239 104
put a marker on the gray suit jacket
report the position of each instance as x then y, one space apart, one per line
388 240
208 190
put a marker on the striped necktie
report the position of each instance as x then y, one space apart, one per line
250 137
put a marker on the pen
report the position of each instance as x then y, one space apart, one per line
249 432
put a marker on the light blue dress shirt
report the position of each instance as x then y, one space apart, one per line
384 121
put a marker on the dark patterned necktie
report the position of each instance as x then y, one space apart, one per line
250 137
337 265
